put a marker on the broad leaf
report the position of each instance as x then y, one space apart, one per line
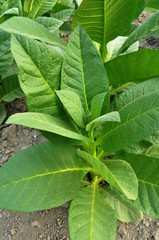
90 216
139 119
109 117
38 80
125 211
73 106
46 122
152 151
31 29
40 178
117 173
138 91
33 8
12 11
105 20
10 89
3 113
134 67
145 29
146 169
77 75
5 63
52 24
153 4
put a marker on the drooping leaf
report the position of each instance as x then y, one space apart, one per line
40 178
139 119
10 89
11 11
31 29
146 169
52 24
73 105
90 217
134 67
46 122
145 29
3 112
117 173
34 8
125 211
105 20
109 117
38 80
77 74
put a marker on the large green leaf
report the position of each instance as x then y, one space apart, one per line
39 74
46 122
73 105
125 211
109 117
10 89
90 216
145 29
134 67
139 119
33 8
52 24
5 63
3 112
83 71
117 173
41 177
143 89
31 29
146 169
104 20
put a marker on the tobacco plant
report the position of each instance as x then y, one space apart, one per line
96 100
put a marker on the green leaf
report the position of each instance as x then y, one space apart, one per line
52 24
153 4
134 67
138 91
146 169
33 8
10 89
3 112
116 172
109 117
105 20
46 122
4 42
145 29
125 211
80 58
40 178
97 100
38 80
12 11
73 105
90 217
31 29
141 6
114 46
152 151
5 63
15 4
63 15
139 119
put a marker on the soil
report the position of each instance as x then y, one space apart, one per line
52 224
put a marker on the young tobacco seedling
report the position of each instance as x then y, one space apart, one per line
101 154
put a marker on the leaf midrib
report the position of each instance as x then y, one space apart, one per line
47 174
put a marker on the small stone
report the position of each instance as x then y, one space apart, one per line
13 232
4 159
25 132
1 216
35 224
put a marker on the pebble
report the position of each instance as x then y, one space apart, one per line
1 216
35 224
13 232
